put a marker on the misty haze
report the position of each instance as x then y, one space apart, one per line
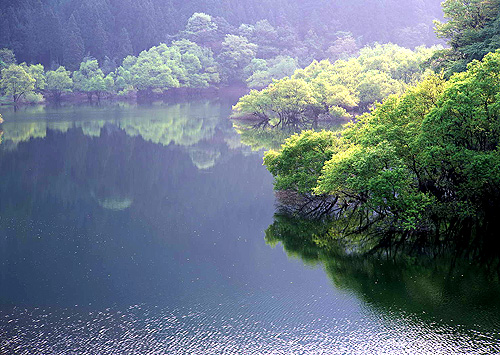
249 177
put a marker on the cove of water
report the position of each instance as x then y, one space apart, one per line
139 229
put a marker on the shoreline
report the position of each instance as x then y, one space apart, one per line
235 91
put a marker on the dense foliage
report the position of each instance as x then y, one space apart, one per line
472 30
57 33
324 88
332 90
184 64
206 53
426 160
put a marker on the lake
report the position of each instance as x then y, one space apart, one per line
140 229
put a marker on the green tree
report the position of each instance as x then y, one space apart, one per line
184 64
16 81
74 48
90 79
375 85
461 154
472 31
424 161
201 29
344 86
235 55
59 81
124 45
298 164
286 102
263 72
7 58
37 72
199 63
157 69
464 18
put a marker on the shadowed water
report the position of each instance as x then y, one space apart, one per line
140 230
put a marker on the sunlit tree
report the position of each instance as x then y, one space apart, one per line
16 81
59 81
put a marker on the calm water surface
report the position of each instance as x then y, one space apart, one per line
131 229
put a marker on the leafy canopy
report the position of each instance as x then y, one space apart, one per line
428 156
334 89
16 81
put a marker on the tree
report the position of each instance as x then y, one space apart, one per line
59 81
344 47
7 58
157 69
37 72
199 63
124 45
343 86
298 165
472 31
74 49
424 161
375 85
287 102
465 17
265 36
184 64
263 72
16 81
236 54
201 29
461 153
90 79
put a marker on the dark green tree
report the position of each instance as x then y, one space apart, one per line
74 49
235 55
124 45
7 58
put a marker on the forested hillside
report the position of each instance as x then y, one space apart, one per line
62 32
424 162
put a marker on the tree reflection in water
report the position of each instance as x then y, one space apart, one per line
445 282
260 136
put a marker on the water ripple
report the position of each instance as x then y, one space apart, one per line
244 327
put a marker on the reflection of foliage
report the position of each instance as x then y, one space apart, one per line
181 124
116 203
203 158
297 236
25 131
261 138
398 277
264 137
92 128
